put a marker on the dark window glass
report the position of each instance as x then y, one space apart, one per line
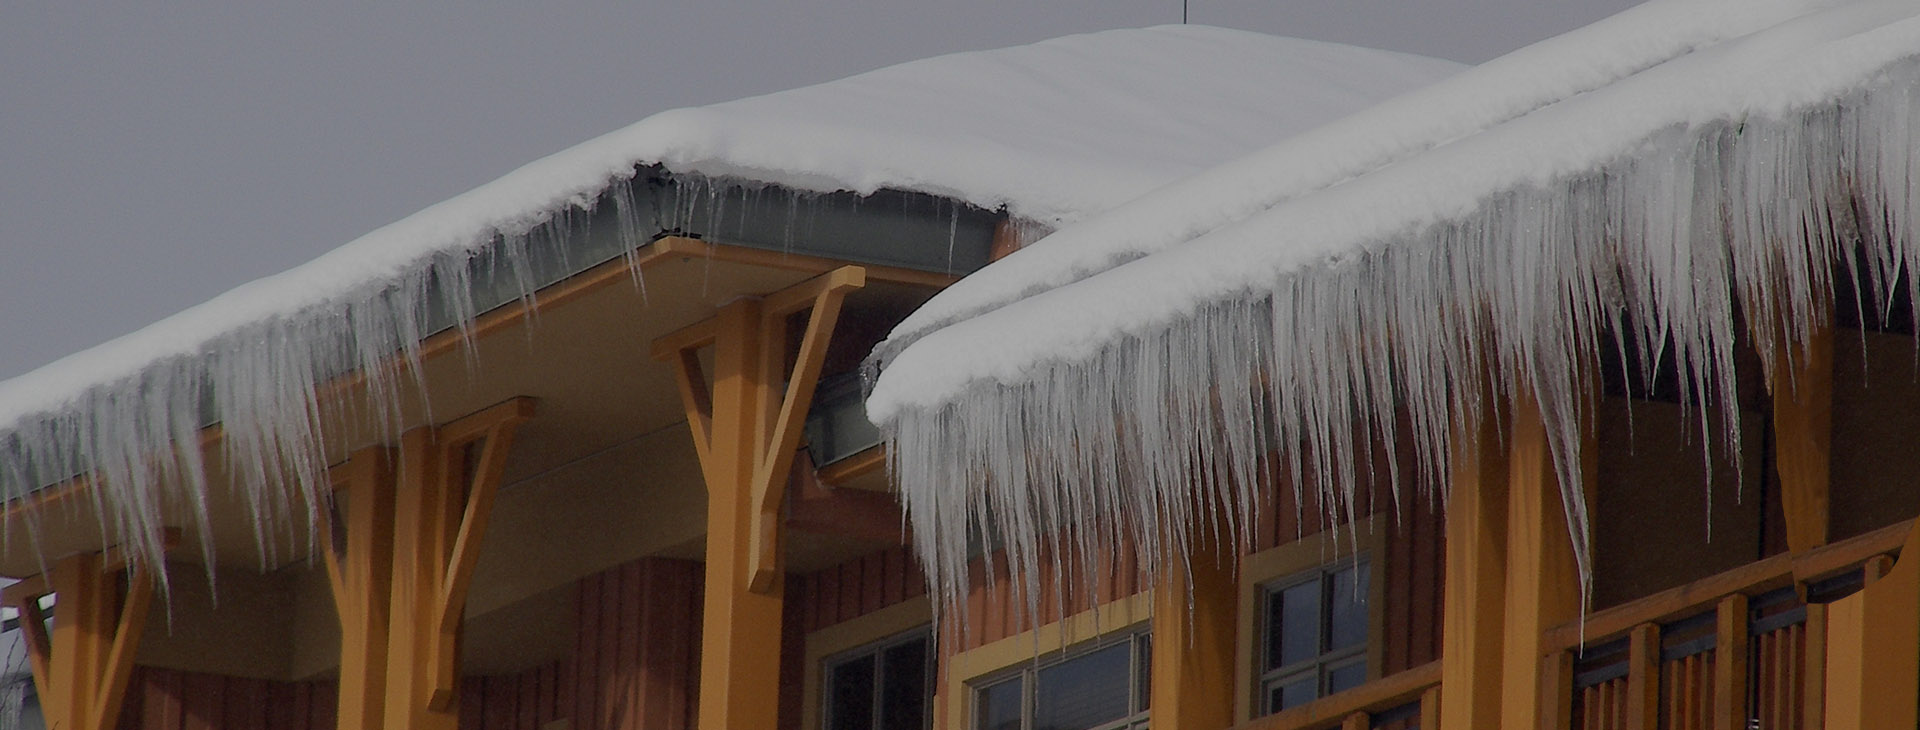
1083 692
1295 625
1346 677
1143 671
1347 623
850 692
998 706
903 690
1297 692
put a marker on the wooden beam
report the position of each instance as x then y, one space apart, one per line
1873 649
677 247
1383 694
858 465
1473 605
1730 664
81 671
113 559
126 640
1196 609
1542 587
1803 432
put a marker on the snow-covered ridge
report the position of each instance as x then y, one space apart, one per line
1494 92
1051 132
1733 173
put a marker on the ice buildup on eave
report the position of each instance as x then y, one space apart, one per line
1048 133
1331 312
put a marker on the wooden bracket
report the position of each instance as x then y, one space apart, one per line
776 427
81 671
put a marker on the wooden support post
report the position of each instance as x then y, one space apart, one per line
1430 707
400 560
82 669
1813 676
1873 649
358 556
1542 586
1730 664
1643 678
1196 607
1474 604
746 428
1803 428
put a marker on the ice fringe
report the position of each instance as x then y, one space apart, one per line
1160 430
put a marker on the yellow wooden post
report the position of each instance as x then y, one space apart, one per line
400 561
1803 427
1473 608
1196 609
1643 677
358 557
82 670
1873 650
746 427
1542 587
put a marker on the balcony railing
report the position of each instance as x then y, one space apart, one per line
1409 699
1740 647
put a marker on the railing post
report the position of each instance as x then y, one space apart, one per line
1873 649
1813 685
1730 664
1643 677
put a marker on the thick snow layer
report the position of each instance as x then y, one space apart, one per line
1735 175
1414 122
1052 132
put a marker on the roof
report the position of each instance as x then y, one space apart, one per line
1653 169
1049 132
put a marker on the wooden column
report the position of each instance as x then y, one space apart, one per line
1196 609
1542 586
1473 608
746 427
358 556
400 561
1643 677
1803 432
81 671
1873 650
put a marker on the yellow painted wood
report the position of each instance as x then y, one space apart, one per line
1196 606
1355 721
1803 427
746 427
1430 707
1730 664
1873 650
1643 677
1813 676
82 669
359 548
1474 604
1542 586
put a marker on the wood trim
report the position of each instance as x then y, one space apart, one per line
1643 678
678 246
1730 664
1195 641
113 559
961 669
860 464
1774 572
1326 546
854 633
1382 694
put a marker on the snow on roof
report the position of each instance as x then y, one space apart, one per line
1052 132
1736 171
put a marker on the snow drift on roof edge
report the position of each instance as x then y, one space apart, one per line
1050 131
1349 314
1493 92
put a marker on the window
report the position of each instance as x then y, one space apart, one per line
1100 687
1313 635
886 685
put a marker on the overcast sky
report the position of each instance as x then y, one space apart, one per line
153 155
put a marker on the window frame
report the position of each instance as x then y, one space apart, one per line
1324 661
847 637
876 651
1333 546
1138 637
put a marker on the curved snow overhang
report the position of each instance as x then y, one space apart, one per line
1141 403
230 436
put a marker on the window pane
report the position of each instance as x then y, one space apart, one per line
1291 692
1347 623
997 707
850 695
1085 691
903 688
1346 677
1293 625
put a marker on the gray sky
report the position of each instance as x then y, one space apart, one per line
153 155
